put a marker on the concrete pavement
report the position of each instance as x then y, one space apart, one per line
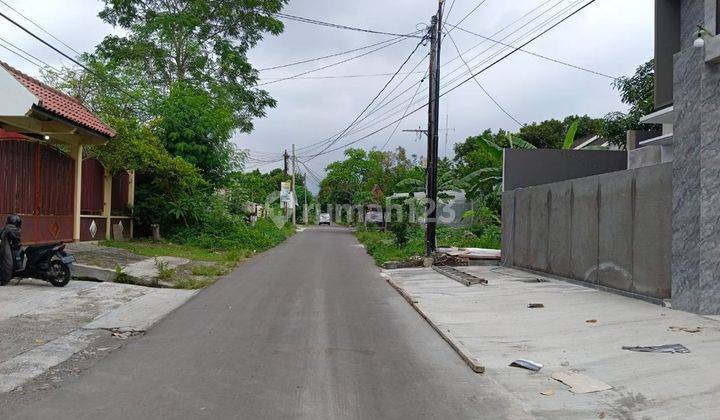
579 329
42 326
307 330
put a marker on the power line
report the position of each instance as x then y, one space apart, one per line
483 87
465 17
346 76
372 111
391 112
400 122
44 63
394 42
40 27
493 64
83 66
296 63
338 26
544 57
374 99
464 81
20 55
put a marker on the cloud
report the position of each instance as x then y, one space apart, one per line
611 36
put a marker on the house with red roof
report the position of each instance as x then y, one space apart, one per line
44 176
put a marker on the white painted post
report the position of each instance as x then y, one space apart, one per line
76 152
107 203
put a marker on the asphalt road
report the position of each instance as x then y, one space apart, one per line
308 330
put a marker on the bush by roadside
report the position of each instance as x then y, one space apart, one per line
383 246
214 248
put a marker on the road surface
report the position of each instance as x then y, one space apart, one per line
308 330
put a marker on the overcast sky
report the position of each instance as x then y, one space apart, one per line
610 36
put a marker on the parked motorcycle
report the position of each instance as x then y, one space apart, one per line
45 262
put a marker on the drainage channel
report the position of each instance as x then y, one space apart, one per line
459 276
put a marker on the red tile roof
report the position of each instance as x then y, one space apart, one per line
59 103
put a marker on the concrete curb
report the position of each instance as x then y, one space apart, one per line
90 272
456 345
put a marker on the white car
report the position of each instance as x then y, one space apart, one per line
324 219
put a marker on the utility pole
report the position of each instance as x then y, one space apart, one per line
433 117
285 158
305 209
294 195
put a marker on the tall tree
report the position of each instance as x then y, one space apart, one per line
194 52
637 91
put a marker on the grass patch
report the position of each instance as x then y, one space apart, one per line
383 248
148 248
223 245
190 283
209 270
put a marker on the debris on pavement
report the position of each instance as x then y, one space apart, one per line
548 392
666 348
412 262
460 276
527 364
579 383
591 321
443 259
686 329
535 305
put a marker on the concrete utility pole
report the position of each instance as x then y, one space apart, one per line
433 118
294 195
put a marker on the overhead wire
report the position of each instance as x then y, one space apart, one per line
500 107
392 112
331 143
36 59
310 60
544 57
40 27
339 26
535 37
392 42
75 61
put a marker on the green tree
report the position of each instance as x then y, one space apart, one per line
194 55
637 91
197 128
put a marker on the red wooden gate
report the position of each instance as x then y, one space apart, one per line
120 194
36 182
93 222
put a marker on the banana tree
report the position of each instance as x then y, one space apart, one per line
570 135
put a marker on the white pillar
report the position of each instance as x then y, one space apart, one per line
76 152
107 203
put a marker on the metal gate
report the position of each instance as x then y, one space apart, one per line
36 182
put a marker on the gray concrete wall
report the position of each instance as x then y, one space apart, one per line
526 168
611 230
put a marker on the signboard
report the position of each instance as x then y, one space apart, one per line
285 196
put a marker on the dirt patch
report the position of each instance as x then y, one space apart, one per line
100 256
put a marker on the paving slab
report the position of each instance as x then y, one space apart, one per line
579 330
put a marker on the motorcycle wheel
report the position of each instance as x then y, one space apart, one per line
59 274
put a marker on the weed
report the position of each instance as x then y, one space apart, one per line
164 271
209 270
193 283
